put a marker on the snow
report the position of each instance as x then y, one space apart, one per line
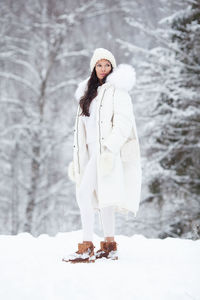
32 268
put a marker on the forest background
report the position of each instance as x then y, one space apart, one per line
45 49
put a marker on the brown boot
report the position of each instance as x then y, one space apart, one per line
85 253
107 250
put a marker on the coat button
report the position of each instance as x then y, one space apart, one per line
74 146
102 138
101 121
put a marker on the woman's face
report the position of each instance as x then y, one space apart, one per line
102 67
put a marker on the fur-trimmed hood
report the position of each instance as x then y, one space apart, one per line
122 77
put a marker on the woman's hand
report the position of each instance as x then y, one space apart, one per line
106 162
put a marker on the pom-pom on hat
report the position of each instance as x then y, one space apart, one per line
102 53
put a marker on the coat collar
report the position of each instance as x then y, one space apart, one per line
122 77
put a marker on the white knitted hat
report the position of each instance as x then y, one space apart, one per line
102 53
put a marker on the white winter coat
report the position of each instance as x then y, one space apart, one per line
118 152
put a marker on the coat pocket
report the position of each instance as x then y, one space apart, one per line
106 163
71 172
130 151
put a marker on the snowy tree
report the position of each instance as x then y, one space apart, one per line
170 73
36 130
180 136
41 60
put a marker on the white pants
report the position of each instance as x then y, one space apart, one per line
84 200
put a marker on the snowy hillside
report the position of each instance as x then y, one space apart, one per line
32 268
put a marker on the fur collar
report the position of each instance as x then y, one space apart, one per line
122 77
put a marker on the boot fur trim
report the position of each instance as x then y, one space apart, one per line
107 250
83 247
85 254
108 246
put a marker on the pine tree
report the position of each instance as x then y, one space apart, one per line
168 86
178 139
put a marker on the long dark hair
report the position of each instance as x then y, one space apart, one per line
91 92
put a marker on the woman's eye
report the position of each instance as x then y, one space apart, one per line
107 65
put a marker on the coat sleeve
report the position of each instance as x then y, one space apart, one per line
122 121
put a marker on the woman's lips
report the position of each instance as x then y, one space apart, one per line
102 74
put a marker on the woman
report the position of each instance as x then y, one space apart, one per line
106 157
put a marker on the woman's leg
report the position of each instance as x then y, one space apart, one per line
85 194
108 220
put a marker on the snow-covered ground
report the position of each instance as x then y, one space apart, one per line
32 268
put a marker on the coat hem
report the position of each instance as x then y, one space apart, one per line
118 208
